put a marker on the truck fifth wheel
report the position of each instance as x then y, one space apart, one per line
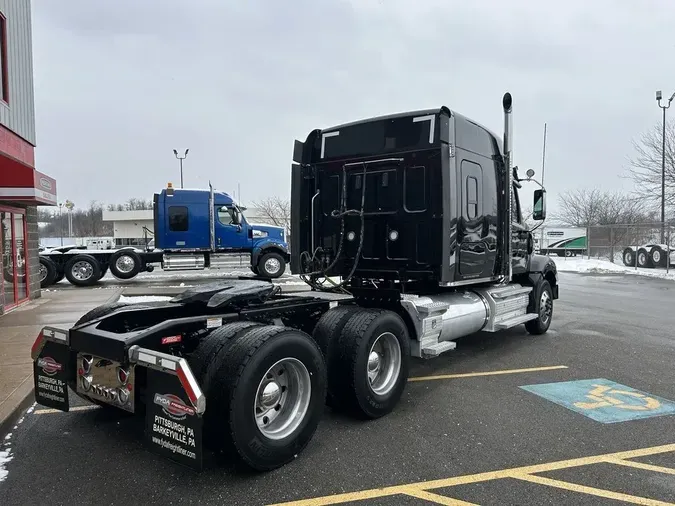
418 216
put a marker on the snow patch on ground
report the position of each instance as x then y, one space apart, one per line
5 457
602 266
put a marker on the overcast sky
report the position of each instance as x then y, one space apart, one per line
119 85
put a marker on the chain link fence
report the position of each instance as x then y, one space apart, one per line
639 245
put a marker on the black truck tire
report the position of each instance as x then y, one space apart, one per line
629 257
82 270
643 259
202 360
271 265
125 264
543 306
369 332
657 256
48 272
266 431
327 333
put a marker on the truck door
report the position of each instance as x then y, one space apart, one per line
521 237
231 235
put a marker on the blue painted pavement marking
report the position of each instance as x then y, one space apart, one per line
603 400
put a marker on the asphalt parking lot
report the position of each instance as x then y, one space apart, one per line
479 425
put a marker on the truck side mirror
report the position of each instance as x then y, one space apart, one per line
539 207
236 220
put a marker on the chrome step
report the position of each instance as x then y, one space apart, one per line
516 320
435 350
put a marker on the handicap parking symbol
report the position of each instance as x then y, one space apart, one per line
603 400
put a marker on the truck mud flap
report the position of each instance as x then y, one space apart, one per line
175 407
51 358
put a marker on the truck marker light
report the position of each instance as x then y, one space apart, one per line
393 235
144 357
351 236
122 375
87 361
168 364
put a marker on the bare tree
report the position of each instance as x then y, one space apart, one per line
646 166
277 210
587 207
134 204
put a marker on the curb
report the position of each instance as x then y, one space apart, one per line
26 391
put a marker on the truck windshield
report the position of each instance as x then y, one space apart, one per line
380 136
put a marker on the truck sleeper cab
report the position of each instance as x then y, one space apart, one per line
197 228
240 355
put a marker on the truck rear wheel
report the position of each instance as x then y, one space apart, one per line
202 361
271 265
82 270
327 333
267 397
629 257
125 264
48 272
371 361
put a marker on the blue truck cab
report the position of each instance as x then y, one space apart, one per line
196 228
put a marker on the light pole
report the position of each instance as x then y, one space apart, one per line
181 158
663 163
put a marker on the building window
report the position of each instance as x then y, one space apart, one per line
178 219
4 67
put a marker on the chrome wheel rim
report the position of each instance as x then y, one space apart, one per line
82 270
545 307
282 399
272 265
43 272
384 363
125 264
642 259
656 256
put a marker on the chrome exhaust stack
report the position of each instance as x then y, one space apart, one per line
507 103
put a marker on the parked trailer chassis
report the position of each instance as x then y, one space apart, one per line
240 368
82 267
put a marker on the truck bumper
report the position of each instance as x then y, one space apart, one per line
174 402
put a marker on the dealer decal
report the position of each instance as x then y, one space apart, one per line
173 406
172 339
49 366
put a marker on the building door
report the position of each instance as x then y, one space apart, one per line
14 256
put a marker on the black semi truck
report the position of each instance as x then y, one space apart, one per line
418 215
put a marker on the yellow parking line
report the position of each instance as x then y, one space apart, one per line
52 411
641 465
435 498
487 373
477 478
583 489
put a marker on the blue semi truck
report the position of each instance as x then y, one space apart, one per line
193 230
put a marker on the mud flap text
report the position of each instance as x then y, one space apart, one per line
172 426
50 376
